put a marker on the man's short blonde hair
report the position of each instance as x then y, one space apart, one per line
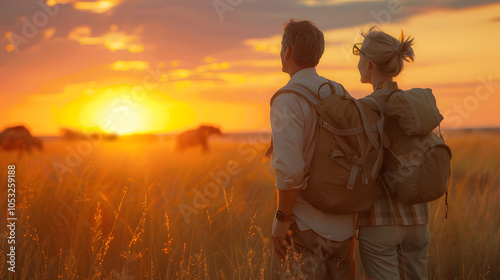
306 40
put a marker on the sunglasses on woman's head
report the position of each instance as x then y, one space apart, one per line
356 49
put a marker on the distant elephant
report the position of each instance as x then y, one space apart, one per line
70 134
195 137
19 138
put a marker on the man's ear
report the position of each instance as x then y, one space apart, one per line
288 52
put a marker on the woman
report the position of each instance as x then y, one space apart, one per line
393 237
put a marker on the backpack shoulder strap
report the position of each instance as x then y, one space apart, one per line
310 96
376 100
299 90
339 89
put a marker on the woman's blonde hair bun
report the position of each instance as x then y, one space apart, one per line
387 52
405 49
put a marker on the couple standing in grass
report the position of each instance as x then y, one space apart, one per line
312 244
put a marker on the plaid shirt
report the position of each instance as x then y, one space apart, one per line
400 213
390 210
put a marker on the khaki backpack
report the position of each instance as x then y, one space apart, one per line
343 177
417 161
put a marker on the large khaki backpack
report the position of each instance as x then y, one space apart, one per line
343 177
417 161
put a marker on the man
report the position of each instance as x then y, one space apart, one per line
324 242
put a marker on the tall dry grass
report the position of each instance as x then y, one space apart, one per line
118 215
467 244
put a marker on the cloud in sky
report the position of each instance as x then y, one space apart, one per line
334 2
121 65
112 40
100 6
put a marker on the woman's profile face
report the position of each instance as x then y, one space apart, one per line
364 69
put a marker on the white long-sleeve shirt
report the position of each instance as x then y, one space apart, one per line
293 121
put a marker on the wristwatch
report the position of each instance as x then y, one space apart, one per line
280 216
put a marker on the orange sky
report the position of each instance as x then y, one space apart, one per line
160 66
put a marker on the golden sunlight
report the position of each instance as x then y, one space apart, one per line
120 110
99 6
122 120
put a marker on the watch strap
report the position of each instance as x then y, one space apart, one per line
282 216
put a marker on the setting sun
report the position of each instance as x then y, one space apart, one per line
122 120
122 111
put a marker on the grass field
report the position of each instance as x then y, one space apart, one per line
139 210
